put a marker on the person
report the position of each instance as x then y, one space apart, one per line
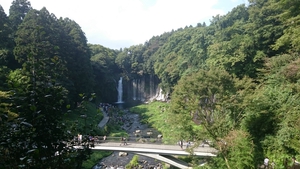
266 162
79 138
181 143
91 138
124 141
295 162
188 144
104 138
203 143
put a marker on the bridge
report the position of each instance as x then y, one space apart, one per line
156 150
151 147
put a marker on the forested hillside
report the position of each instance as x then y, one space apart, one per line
234 81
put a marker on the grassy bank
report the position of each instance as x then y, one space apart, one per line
153 114
84 120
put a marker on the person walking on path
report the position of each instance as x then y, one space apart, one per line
123 141
188 143
266 162
181 144
79 138
104 138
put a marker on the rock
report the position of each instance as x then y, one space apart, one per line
159 136
123 154
118 159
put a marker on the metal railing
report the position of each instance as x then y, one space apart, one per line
142 140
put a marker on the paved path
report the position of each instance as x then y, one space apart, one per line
105 119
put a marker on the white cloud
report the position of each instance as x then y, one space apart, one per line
130 21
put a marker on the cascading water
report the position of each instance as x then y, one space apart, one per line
134 88
120 91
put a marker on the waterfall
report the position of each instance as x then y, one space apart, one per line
145 88
139 90
151 84
142 89
134 89
120 91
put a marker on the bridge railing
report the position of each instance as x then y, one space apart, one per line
100 139
140 140
131 139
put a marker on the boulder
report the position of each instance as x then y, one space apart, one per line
123 154
149 133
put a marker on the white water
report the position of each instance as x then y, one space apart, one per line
134 88
138 91
120 91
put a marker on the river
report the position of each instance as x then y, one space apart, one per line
114 161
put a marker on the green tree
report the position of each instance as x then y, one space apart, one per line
234 45
289 41
236 151
198 100
272 110
104 70
6 42
39 35
203 107
38 137
76 53
265 25
17 12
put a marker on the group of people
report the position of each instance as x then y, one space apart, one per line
113 113
188 144
92 139
272 165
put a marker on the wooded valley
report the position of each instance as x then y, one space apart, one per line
235 81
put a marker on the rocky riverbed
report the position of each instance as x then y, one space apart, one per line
115 161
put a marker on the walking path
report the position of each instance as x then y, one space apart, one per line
105 119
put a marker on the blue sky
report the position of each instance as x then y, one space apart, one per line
122 23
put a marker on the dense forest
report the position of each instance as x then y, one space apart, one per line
234 81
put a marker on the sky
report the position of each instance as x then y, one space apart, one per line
119 24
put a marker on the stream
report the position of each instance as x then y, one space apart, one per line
114 161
